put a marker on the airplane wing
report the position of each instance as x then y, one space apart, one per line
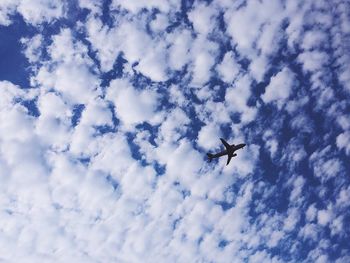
229 157
227 146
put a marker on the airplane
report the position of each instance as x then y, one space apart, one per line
230 149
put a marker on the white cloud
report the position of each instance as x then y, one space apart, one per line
271 35
312 39
248 29
245 160
96 113
291 220
132 40
208 136
9 94
324 217
258 67
343 197
337 226
343 142
33 48
275 238
7 8
279 87
325 167
203 55
272 146
66 49
309 231
211 111
245 23
76 84
228 68
34 11
179 48
271 143
92 5
133 106
153 65
174 126
70 73
313 60
190 160
39 11
203 17
236 99
296 18
160 23
135 7
311 213
16 125
103 40
344 122
296 193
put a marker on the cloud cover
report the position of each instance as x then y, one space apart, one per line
102 158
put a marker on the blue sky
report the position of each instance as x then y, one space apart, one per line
108 108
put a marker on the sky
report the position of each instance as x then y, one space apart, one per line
108 108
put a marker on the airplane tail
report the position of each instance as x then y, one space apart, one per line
210 157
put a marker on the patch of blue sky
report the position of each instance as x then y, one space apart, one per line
76 114
14 66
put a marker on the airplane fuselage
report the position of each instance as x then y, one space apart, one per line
225 152
229 151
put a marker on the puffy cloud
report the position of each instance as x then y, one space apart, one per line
8 7
323 217
70 72
33 48
258 67
270 142
39 11
312 39
163 6
311 213
208 136
236 99
76 84
244 24
153 65
228 68
94 6
54 122
103 41
174 126
291 220
131 105
244 34
343 142
132 40
325 166
160 23
313 60
180 44
203 55
279 87
203 17
34 11
297 189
